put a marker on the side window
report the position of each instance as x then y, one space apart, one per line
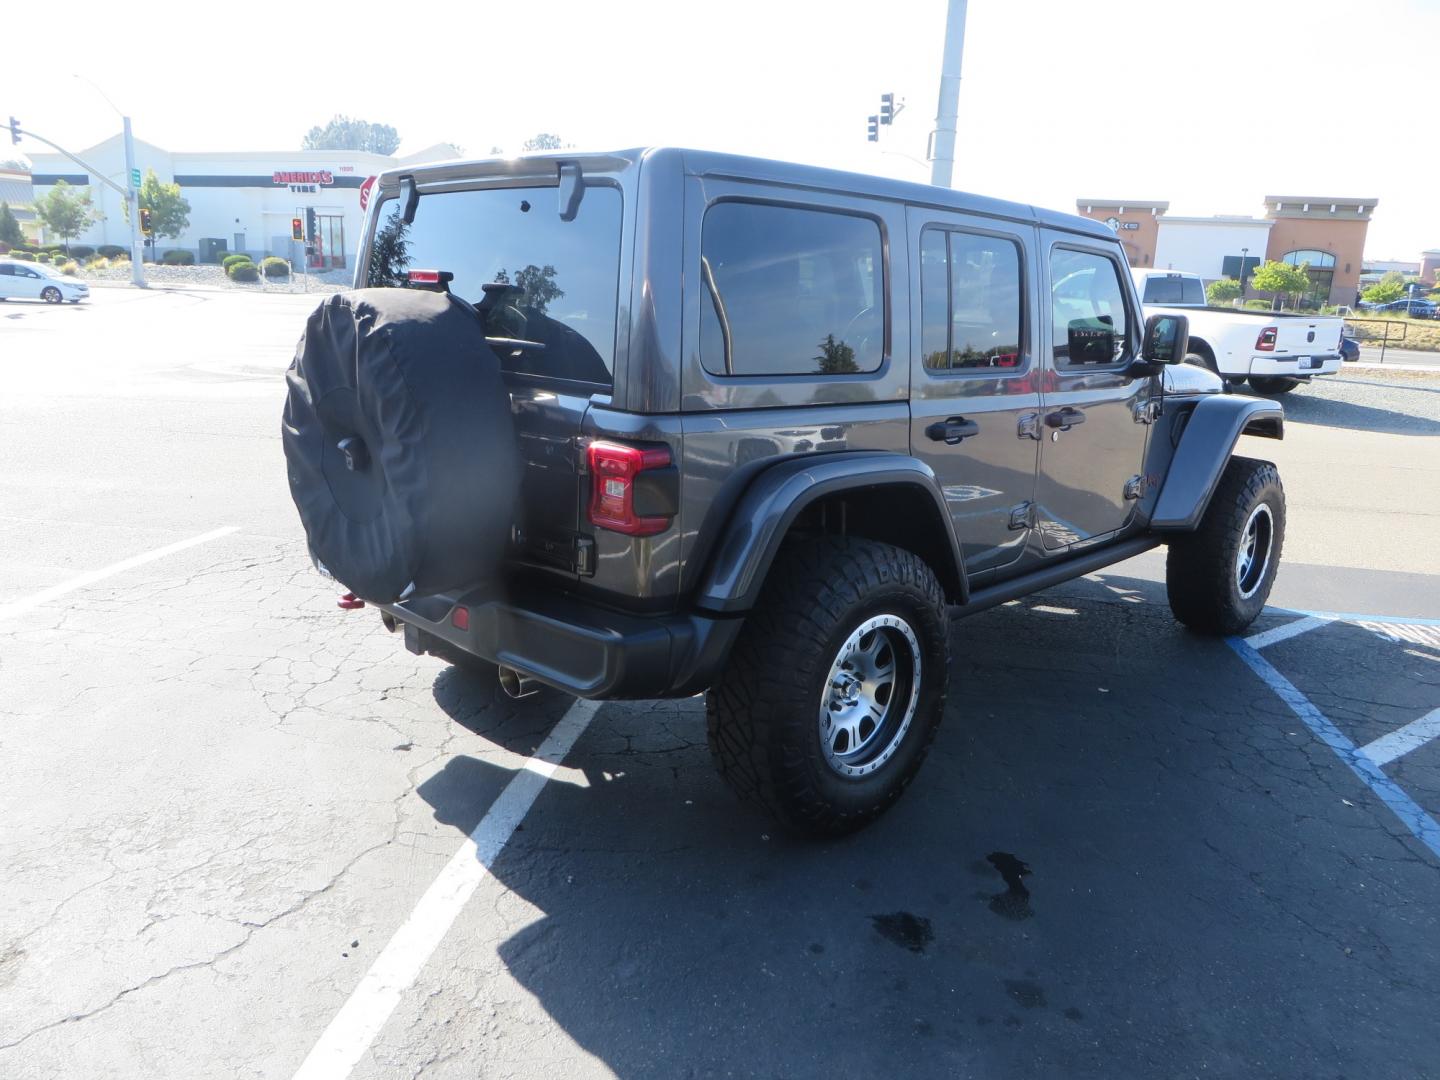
7 270
970 289
1087 304
790 291
25 271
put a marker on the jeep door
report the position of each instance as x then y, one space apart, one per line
974 399
1094 416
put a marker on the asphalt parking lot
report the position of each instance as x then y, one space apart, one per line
244 834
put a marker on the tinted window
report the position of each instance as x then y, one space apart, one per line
562 276
790 292
975 321
1174 290
7 271
1087 305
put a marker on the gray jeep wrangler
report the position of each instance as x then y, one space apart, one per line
657 422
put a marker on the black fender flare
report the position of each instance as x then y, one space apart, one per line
1206 443
769 506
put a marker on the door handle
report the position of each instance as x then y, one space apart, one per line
1064 419
952 430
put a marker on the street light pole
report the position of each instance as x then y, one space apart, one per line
1244 251
942 158
132 192
132 198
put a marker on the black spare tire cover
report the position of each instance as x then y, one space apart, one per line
399 443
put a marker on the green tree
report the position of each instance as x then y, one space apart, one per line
536 284
343 133
1222 292
1391 286
836 358
389 254
546 141
66 212
14 165
9 226
169 210
1280 277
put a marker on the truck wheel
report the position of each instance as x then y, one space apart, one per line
1219 577
835 687
1276 384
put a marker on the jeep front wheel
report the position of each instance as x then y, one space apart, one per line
1219 577
835 687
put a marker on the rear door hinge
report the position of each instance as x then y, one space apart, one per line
1135 487
1022 516
1028 426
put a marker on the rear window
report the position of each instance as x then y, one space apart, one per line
790 291
1173 290
551 307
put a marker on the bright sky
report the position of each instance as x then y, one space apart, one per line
1210 106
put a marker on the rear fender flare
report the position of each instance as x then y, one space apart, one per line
765 512
1206 443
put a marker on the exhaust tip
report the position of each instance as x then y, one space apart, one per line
517 685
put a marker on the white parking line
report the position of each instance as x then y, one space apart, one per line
1421 824
19 607
1401 741
396 968
1286 631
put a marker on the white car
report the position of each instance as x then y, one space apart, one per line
36 281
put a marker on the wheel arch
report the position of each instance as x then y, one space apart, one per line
892 498
1205 446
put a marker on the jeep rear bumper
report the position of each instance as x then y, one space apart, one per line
572 644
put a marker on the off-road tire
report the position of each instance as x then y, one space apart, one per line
1203 578
1272 384
763 714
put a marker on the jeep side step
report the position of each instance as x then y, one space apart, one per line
1055 574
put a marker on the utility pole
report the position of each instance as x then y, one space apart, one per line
942 157
132 198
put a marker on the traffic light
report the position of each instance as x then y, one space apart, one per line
14 130
874 129
145 220
297 229
311 231
887 108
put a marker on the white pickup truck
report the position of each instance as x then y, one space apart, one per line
1275 350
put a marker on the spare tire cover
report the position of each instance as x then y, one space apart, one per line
399 443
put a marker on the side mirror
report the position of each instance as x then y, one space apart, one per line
1167 339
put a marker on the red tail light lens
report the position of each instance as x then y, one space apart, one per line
424 277
1266 341
613 469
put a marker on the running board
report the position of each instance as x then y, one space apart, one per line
1055 574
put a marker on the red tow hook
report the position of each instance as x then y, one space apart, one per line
349 602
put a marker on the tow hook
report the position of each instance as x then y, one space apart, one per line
349 602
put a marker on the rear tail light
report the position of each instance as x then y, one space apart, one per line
614 470
1266 341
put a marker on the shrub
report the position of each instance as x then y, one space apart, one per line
275 268
112 251
81 251
177 257
1222 292
53 249
243 271
99 262
231 260
23 256
43 257
71 268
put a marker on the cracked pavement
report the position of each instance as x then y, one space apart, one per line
220 796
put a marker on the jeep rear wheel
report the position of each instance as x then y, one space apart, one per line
1219 577
835 687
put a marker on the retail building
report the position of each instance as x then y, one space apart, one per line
240 201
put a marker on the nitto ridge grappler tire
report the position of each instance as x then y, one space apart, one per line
399 444
1219 577
835 687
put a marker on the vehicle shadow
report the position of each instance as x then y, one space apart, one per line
1081 860
1302 408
